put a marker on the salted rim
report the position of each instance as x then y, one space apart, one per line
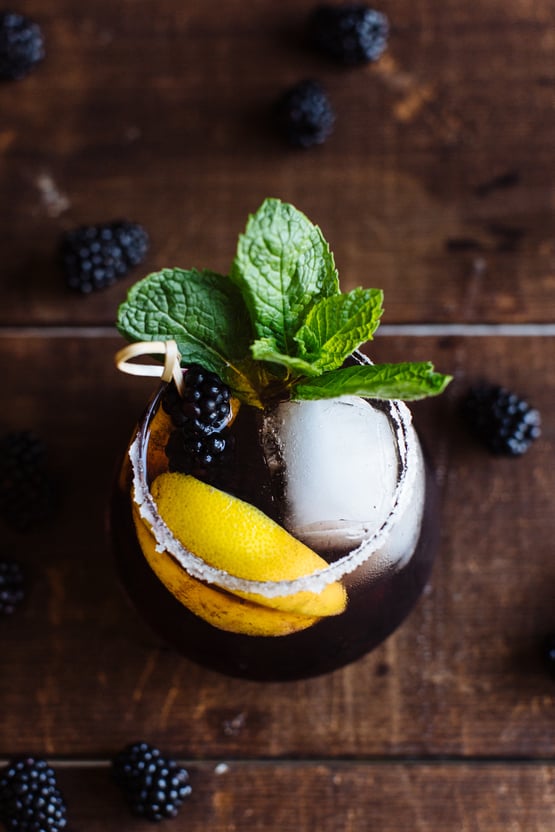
401 422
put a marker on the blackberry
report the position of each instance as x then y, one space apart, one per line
501 420
193 453
200 418
204 407
21 46
153 785
28 494
95 256
352 34
30 800
304 114
12 586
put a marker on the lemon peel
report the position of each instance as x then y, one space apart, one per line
236 537
220 609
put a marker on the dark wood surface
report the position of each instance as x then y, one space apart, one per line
436 186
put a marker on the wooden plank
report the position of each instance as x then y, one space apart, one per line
81 674
286 797
436 184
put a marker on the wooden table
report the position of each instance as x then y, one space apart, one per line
436 186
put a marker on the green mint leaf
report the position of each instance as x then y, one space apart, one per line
205 314
338 325
409 381
265 349
283 266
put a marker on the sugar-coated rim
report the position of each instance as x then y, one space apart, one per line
401 423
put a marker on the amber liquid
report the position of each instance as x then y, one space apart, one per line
376 607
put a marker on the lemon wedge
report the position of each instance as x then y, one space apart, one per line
234 536
220 609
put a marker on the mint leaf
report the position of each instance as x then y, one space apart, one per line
205 314
265 349
283 266
408 381
338 325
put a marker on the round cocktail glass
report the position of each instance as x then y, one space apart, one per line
377 561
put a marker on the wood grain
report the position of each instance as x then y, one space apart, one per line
286 797
436 184
82 674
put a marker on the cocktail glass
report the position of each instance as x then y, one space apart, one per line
370 514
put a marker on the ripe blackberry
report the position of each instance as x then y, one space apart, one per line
153 785
12 586
28 495
194 453
352 34
501 420
200 417
95 256
204 407
304 114
21 46
30 800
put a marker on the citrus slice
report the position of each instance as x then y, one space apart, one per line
236 537
221 610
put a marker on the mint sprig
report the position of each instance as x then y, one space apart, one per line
278 326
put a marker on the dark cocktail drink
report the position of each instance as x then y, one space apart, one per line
274 517
382 578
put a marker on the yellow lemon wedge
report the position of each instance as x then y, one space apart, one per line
218 608
236 537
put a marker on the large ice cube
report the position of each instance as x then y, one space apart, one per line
339 464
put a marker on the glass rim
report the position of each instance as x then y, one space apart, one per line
400 419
